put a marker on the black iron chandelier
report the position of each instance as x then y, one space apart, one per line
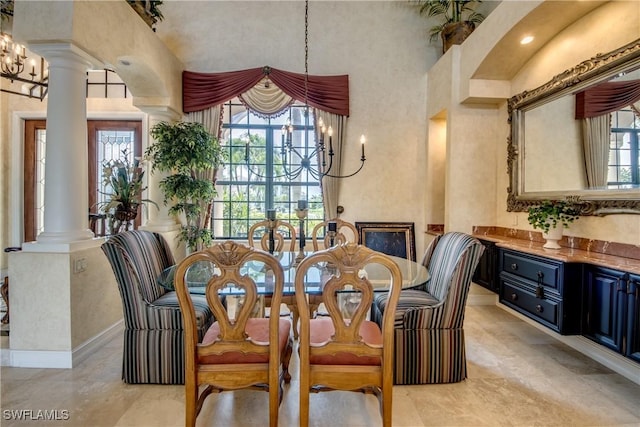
13 67
318 161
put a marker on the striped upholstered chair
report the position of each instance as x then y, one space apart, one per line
429 334
153 336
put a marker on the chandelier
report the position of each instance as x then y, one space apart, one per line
13 67
297 160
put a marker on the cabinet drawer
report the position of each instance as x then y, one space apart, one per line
530 268
523 300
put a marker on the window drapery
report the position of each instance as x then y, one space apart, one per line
266 99
267 91
593 107
595 140
606 98
204 90
331 186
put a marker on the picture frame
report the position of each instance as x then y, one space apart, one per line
391 238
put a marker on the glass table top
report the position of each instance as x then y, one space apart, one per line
413 274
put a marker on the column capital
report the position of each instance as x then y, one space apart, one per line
63 53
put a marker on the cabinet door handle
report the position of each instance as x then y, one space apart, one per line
514 297
514 266
539 308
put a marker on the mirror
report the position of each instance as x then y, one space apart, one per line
546 154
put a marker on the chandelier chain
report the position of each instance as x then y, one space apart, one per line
306 53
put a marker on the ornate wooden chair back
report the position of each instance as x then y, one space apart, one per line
238 351
344 350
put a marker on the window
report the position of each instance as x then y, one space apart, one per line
624 154
247 190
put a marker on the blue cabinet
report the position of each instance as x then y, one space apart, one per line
546 290
486 271
632 342
611 310
603 317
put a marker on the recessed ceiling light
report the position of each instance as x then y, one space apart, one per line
526 40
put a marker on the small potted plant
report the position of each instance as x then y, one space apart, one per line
124 184
458 19
552 216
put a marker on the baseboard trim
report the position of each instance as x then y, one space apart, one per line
84 350
59 359
612 360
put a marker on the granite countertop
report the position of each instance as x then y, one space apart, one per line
566 254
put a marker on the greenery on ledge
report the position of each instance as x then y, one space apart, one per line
449 12
549 213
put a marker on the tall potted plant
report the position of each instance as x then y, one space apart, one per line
552 216
192 156
458 19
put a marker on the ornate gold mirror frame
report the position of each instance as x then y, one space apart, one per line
589 202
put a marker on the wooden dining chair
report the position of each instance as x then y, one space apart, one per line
280 230
344 351
344 232
238 351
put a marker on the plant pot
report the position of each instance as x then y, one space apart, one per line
126 214
553 237
456 33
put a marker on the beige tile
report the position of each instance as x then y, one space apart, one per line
518 376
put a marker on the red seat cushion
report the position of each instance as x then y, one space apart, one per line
321 331
258 330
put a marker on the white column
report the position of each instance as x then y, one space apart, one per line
66 197
159 219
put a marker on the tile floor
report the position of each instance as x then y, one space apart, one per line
518 376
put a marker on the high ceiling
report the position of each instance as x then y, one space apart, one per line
547 20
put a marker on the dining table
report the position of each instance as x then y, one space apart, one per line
414 274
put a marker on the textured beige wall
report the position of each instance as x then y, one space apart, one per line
95 299
383 47
45 293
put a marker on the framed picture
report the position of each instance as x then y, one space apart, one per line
391 238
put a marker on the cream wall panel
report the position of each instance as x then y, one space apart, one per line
40 301
95 299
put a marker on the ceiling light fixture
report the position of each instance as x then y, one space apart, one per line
526 40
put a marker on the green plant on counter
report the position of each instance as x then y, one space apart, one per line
550 213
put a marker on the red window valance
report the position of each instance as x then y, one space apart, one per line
204 90
606 98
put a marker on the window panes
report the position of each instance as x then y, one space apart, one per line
254 180
624 154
